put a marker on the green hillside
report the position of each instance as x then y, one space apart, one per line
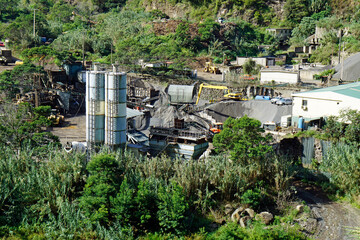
134 30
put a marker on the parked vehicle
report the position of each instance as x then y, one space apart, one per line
284 101
260 97
2 44
5 57
274 100
211 68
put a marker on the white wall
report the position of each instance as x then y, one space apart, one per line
241 60
308 74
323 104
279 77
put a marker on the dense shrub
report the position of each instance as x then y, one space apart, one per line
234 231
341 163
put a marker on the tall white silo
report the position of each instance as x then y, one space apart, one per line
95 107
115 109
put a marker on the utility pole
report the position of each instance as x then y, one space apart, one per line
342 63
34 21
83 49
340 33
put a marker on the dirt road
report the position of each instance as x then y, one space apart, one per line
333 220
9 67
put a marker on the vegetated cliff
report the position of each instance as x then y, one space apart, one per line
257 12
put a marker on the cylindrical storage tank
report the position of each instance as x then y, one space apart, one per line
95 107
115 109
81 75
301 123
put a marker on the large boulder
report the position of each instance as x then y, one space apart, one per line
250 212
235 217
245 221
265 217
228 209
300 208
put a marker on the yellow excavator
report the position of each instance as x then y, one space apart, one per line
227 93
211 68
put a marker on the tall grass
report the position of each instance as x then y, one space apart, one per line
43 190
342 163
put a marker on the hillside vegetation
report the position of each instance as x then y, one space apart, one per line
126 31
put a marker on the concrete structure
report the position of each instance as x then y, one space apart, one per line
181 93
282 33
115 109
324 102
307 72
105 108
181 140
279 76
177 142
263 61
95 107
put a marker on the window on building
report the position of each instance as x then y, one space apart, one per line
304 103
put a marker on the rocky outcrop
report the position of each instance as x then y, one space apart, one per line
244 216
265 217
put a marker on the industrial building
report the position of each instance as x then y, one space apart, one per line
178 141
279 76
312 106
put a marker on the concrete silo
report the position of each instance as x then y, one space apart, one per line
95 107
115 109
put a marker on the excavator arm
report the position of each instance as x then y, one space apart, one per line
226 90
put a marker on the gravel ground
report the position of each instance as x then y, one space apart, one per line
333 220
259 109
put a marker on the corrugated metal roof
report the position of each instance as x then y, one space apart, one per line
351 90
138 137
181 93
131 113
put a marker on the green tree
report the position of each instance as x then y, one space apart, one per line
172 208
105 5
250 67
303 30
101 187
8 9
61 12
21 30
182 35
207 29
344 127
21 127
146 201
243 138
295 10
123 204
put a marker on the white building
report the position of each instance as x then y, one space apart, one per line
279 76
325 102
263 61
